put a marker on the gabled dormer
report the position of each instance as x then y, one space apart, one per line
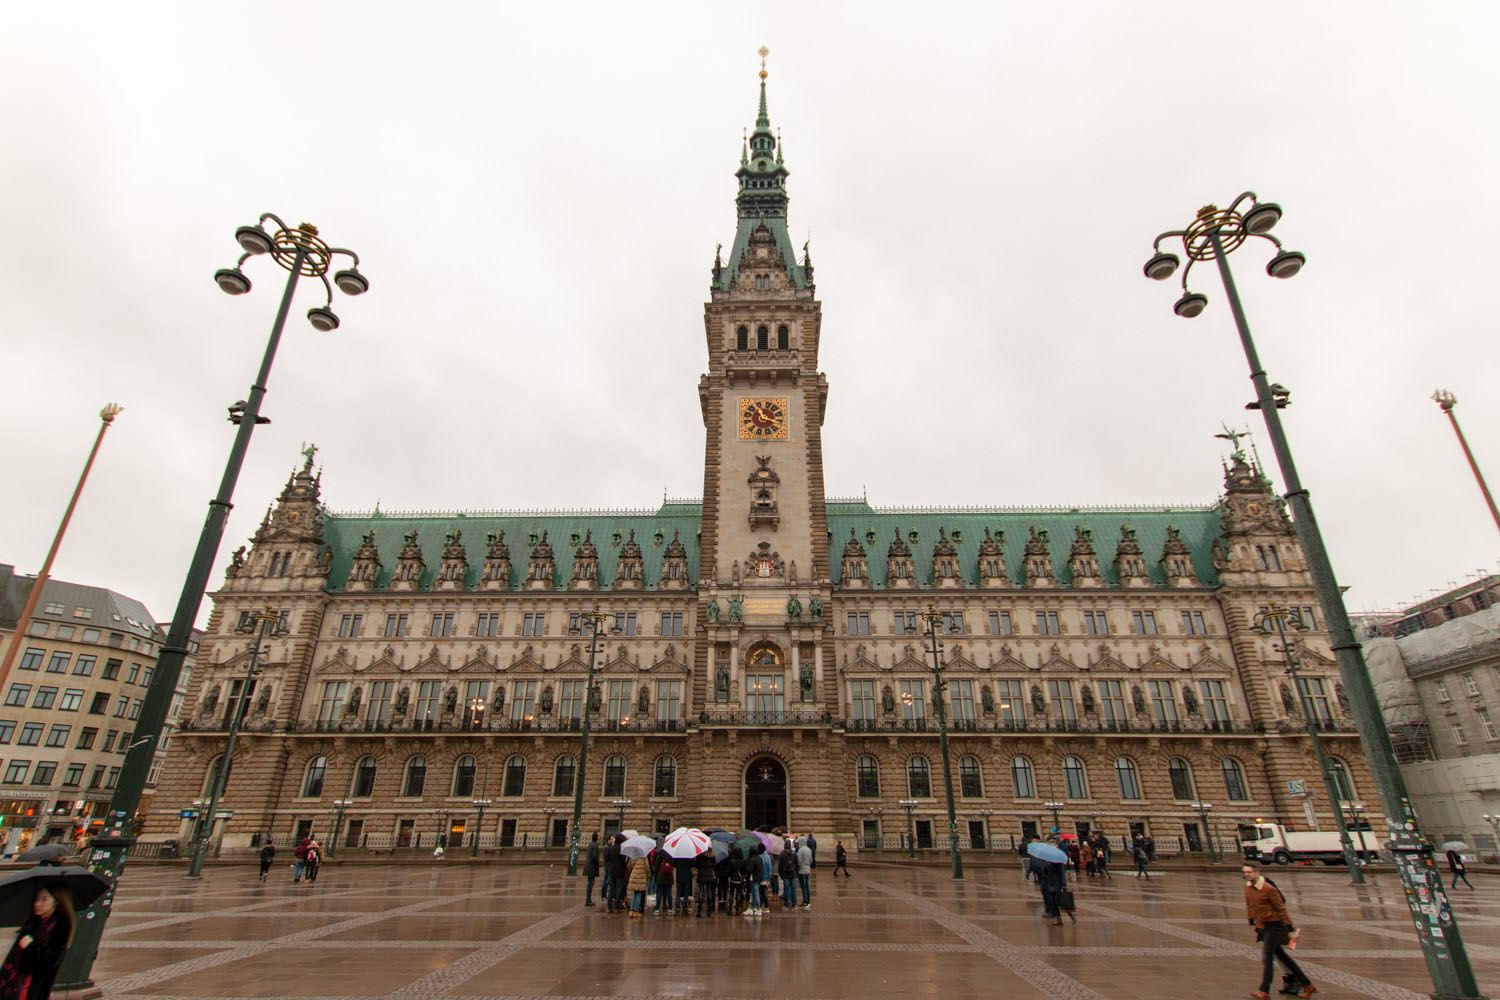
674 567
454 569
585 564
898 569
945 569
855 573
496 573
1038 561
287 551
541 566
1177 562
364 571
1259 546
992 560
1130 565
410 566
630 571
1083 564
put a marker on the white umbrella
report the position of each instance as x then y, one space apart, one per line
686 842
637 847
1456 845
628 834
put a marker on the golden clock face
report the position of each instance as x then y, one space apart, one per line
763 419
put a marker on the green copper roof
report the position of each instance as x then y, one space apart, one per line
565 530
1198 528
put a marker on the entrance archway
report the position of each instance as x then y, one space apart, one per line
765 794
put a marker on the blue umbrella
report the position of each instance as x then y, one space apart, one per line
1046 852
721 835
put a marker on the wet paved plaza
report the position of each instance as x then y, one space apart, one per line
475 931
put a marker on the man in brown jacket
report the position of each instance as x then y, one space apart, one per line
1266 908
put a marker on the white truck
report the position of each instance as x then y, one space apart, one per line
1272 843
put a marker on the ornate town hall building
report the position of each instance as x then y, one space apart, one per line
767 664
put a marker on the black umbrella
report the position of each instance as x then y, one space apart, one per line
18 889
44 852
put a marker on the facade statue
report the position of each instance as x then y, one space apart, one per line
1341 697
263 704
888 700
721 681
450 700
544 703
643 702
1086 695
210 701
793 608
595 700
499 703
807 682
354 697
1038 703
987 700
1138 699
815 608
403 700
1189 699
736 609
713 610
1287 701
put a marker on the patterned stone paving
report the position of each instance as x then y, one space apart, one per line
486 932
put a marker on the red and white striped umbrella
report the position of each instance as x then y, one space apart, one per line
686 842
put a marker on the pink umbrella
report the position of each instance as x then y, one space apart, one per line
686 842
774 844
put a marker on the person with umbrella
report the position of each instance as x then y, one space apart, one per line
1046 861
31 966
1454 851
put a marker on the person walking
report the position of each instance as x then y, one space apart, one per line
1101 856
1265 908
1027 872
267 855
841 859
299 868
786 867
637 879
1458 869
1051 879
1141 858
1075 857
1086 855
31 966
804 873
591 870
314 860
619 867
812 845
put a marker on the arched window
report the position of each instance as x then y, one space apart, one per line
211 776
1024 778
515 777
463 777
742 338
364 778
1130 781
782 338
416 777
918 778
762 338
1234 780
665 785
563 773
1075 779
312 781
867 777
614 775
969 784
1181 773
1342 784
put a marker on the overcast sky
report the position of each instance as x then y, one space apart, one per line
535 192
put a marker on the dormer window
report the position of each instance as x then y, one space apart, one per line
762 282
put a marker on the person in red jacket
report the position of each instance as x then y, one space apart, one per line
1266 909
301 856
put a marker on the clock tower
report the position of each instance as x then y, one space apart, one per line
765 533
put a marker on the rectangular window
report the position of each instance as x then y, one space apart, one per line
1163 702
18 694
73 777
45 697
109 741
442 625
59 663
668 700
618 706
1488 723
1047 623
1458 734
429 695
57 736
1010 699
97 778
53 608
522 701
1309 620
913 700
146 676
111 669
7 730
395 626
1000 623
625 622
114 776
100 704
45 769
1095 623
489 624
84 665
476 699
16 771
32 659
122 705
1193 624
671 623
1315 699
961 699
86 738
381 693
1144 622
905 623
1112 704
349 625
1441 687
133 674
1215 706
862 700
38 629
764 694
90 635
331 708
570 705
31 734
1061 695
65 631
1469 686
859 623
953 622
534 623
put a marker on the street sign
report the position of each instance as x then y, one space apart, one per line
1297 789
188 814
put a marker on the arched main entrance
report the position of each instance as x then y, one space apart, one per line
765 794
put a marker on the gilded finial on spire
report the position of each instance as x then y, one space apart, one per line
763 53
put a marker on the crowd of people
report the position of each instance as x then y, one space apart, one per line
737 880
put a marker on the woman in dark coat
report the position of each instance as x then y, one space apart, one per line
31 967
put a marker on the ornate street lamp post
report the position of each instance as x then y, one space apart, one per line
911 832
1447 401
932 617
1213 235
340 806
1276 618
267 623
300 252
1204 808
480 805
591 624
1055 808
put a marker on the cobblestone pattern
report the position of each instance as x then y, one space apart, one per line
440 982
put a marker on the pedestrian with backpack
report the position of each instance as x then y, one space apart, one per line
1266 909
786 867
